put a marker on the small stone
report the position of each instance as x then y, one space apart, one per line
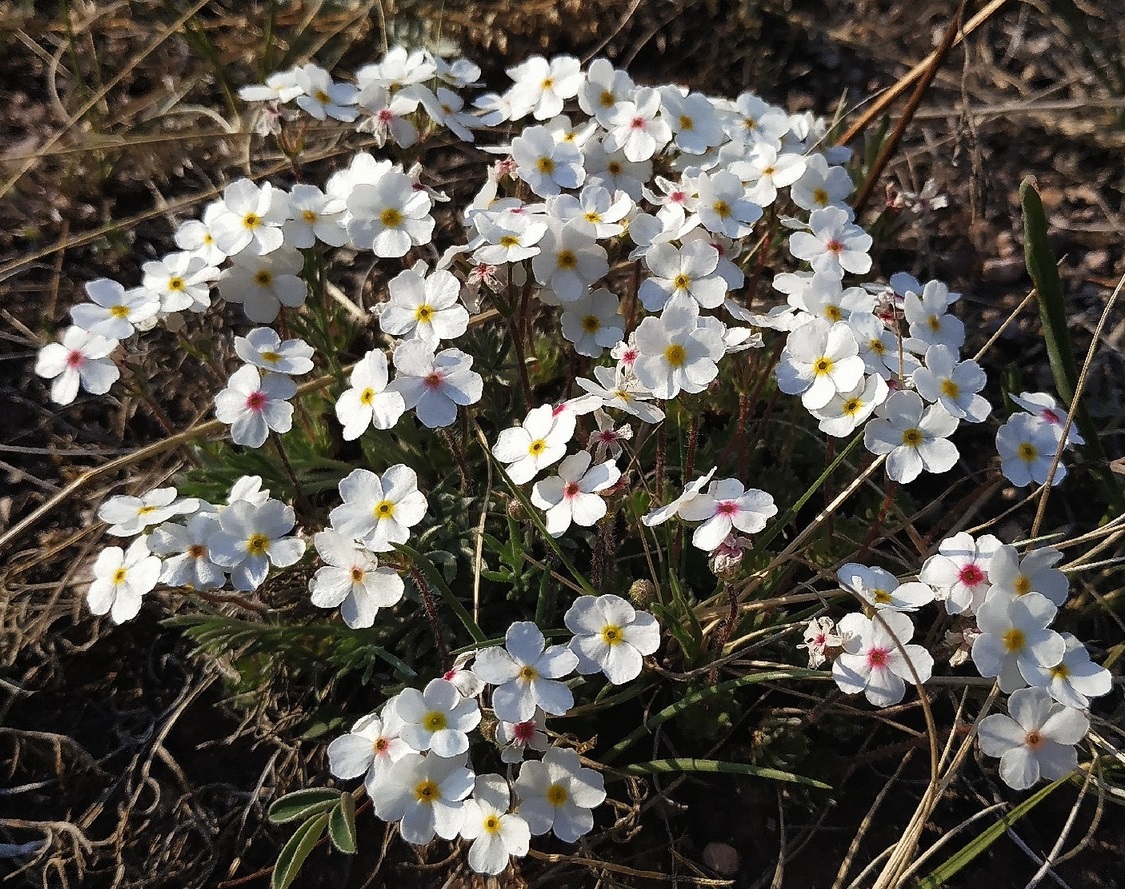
722 858
1005 270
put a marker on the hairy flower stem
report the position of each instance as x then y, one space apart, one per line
726 628
876 526
431 614
516 326
692 442
459 457
660 448
297 491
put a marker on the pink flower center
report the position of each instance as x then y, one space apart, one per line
558 409
630 356
877 658
524 731
820 639
433 380
385 116
255 401
570 490
637 123
75 359
449 675
1050 416
970 575
677 197
726 507
834 246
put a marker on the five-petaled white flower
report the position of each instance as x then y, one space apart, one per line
181 281
390 216
250 537
545 164
81 358
526 673
725 505
820 359
424 308
1075 679
497 834
438 718
689 270
253 405
510 237
1035 740
370 748
913 437
515 738
264 349
834 245
953 384
540 441
368 402
1015 644
114 312
352 580
121 579
676 351
250 219
1012 577
427 793
570 261
263 284
610 636
928 316
187 558
959 571
435 385
127 515
1027 447
593 322
379 510
871 661
636 127
558 793
882 590
572 495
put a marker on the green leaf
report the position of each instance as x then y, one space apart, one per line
302 804
434 576
971 850
341 824
294 853
687 764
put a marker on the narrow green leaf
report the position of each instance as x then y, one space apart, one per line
341 824
971 850
691 700
294 853
302 804
683 764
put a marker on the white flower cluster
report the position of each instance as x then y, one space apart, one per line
202 549
1004 605
414 753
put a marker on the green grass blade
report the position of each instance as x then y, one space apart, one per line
687 764
433 575
941 874
295 851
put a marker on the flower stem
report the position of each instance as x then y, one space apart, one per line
430 606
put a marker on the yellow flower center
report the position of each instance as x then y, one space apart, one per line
612 634
681 282
557 795
912 437
509 241
258 545
323 97
833 313
528 673
251 220
591 216
119 576
358 574
145 510
424 314
934 323
950 389
852 406
823 365
434 721
271 357
1033 740
820 197
427 791
686 122
877 347
391 218
119 311
675 355
197 551
367 396
614 168
384 509
309 216
567 260
176 283
536 447
548 83
722 209
1022 585
1060 671
607 99
1027 452
492 824
591 324
264 277
545 165
1014 640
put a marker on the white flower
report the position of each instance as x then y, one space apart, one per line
540 441
435 385
427 793
526 674
623 393
613 171
821 185
121 579
610 636
514 738
321 96
847 411
181 281
723 207
820 360
752 120
593 322
510 237
370 748
558 794
835 245
691 491
263 284
196 236
424 308
766 170
636 127
1015 643
545 164
497 834
693 120
315 218
390 216
912 441
190 563
871 661
726 505
352 581
882 590
1012 577
468 683
959 573
250 218
595 210
379 510
1027 447
953 384
281 86
368 402
1046 408
603 88
541 86
251 537
689 270
572 495
388 114
437 719
1075 679
253 405
115 312
81 358
819 636
826 297
929 318
127 515
676 352
1036 740
570 261
264 349
605 441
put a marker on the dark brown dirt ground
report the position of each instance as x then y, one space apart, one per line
128 755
